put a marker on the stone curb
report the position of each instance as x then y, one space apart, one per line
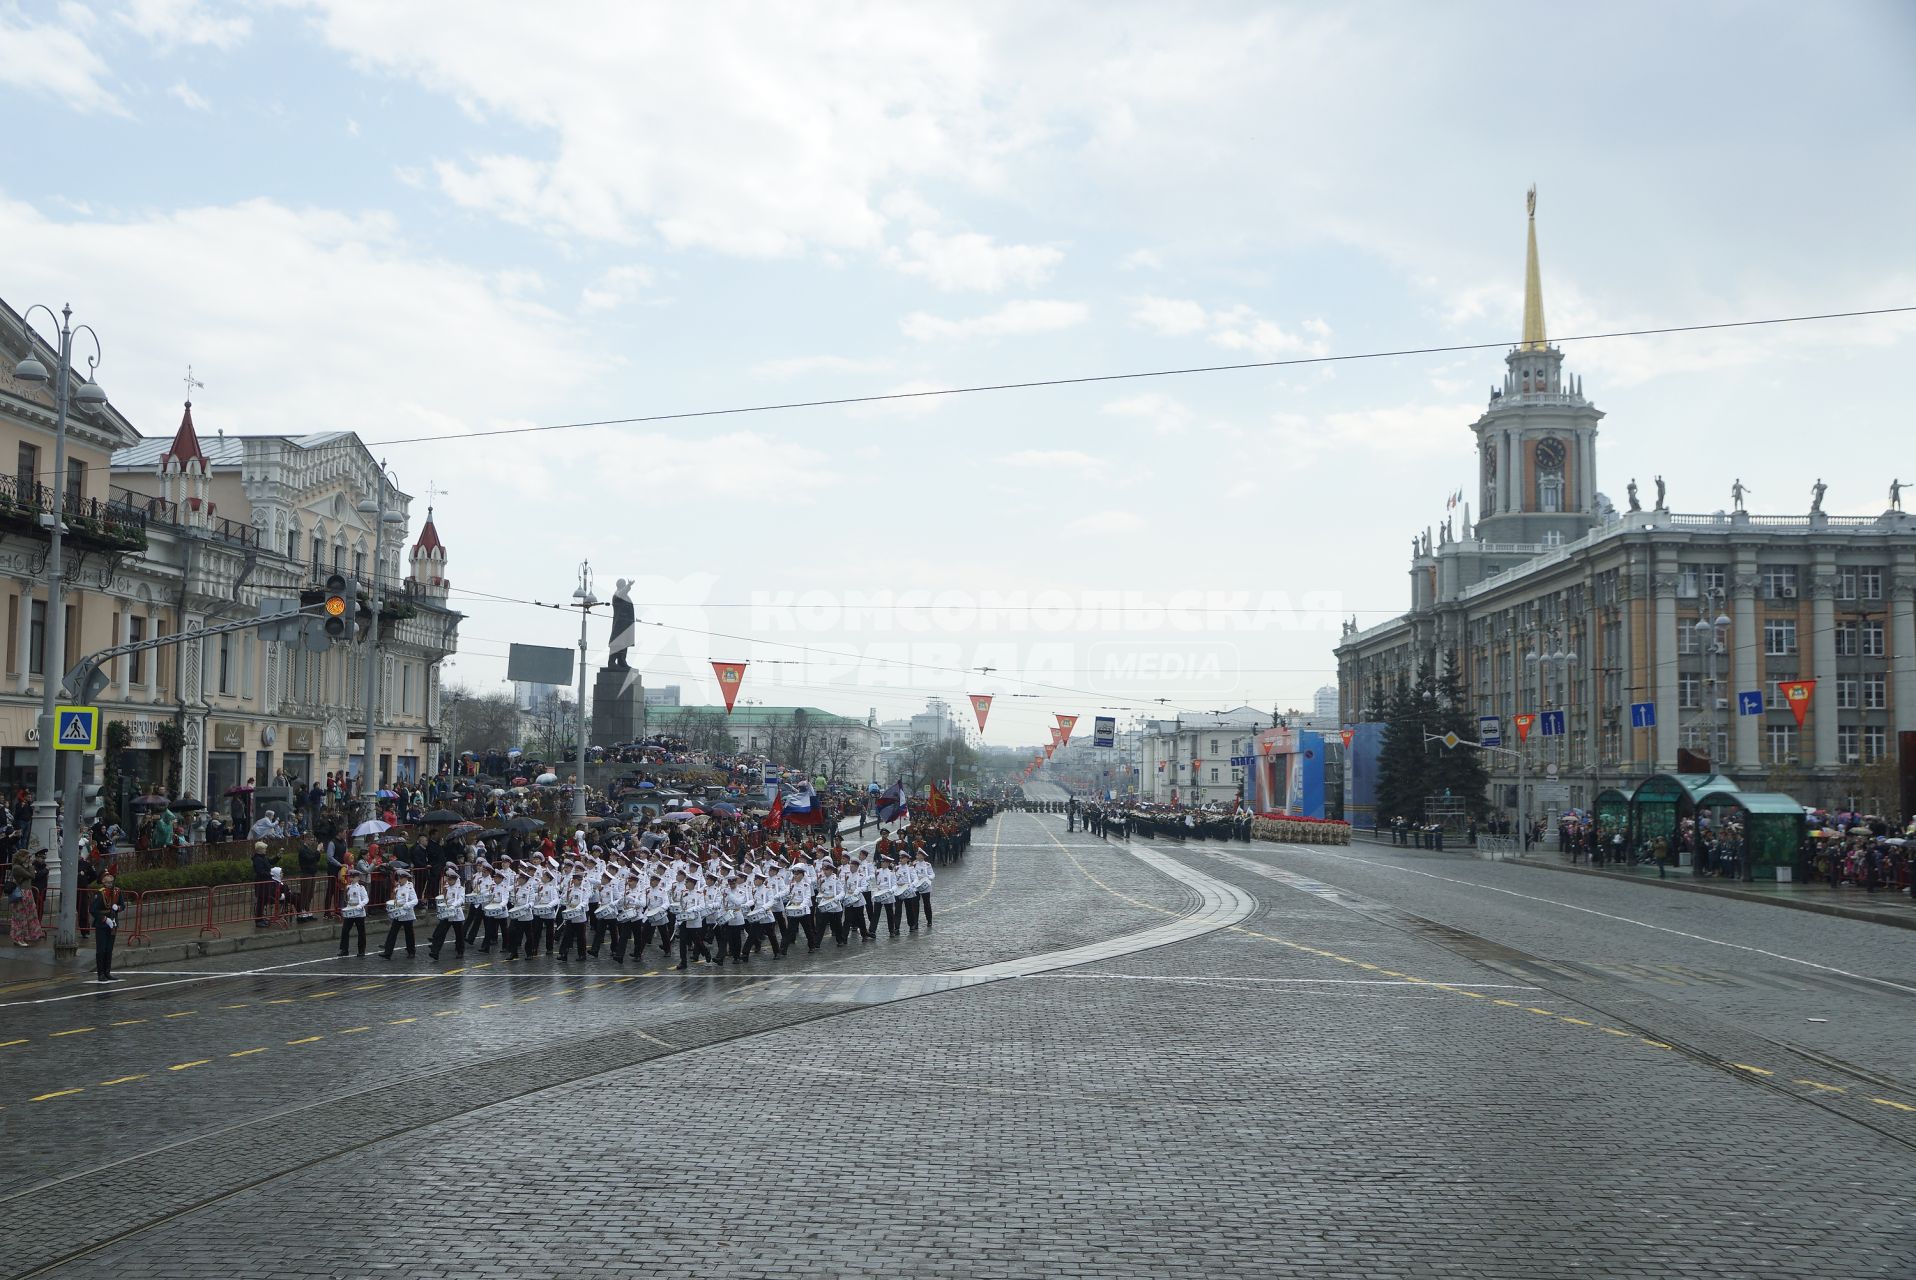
1890 918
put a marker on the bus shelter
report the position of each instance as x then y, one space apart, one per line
1662 801
1613 810
1772 823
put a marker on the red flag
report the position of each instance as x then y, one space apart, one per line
1065 724
1056 737
776 818
1797 694
729 676
1049 747
1348 735
981 707
1523 722
938 804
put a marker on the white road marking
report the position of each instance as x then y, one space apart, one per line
1592 911
122 989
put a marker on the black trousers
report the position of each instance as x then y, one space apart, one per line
474 923
349 927
392 936
548 927
571 937
692 941
891 917
522 934
600 927
836 919
855 920
665 932
924 905
457 928
497 928
911 912
757 935
102 949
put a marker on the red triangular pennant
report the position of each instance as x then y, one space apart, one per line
730 676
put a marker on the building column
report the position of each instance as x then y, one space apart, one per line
1902 646
153 658
124 635
23 637
1823 637
1745 746
1663 585
1504 466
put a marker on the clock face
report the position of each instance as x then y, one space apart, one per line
1490 462
1550 455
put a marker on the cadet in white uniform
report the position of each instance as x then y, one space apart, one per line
452 914
401 910
352 912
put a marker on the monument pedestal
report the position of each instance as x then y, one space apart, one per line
618 712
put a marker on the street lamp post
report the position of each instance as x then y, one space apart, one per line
584 601
1710 634
1538 659
375 507
64 871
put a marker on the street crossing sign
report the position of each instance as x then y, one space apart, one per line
1643 715
1551 723
76 729
1749 702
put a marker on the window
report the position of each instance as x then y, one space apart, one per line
226 663
319 554
37 639
1686 582
1775 702
1846 693
1213 773
1779 637
1214 746
1716 577
1872 639
1875 693
405 687
1687 691
1875 741
1780 742
339 557
26 471
359 564
1845 638
1846 742
1846 584
1552 537
76 481
1686 638
1871 581
1779 581
136 661
292 544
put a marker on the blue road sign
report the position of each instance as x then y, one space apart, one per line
1490 731
1552 724
76 729
1643 715
1749 702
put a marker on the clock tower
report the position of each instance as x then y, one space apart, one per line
1537 440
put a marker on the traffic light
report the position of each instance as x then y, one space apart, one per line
90 801
363 622
342 598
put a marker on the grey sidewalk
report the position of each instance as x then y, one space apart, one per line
1886 906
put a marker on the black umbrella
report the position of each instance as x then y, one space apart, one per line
187 805
491 833
441 817
524 825
151 802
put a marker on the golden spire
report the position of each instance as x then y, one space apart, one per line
1533 334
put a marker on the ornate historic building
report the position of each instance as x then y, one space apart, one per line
1556 601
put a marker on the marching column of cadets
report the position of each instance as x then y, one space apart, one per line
715 908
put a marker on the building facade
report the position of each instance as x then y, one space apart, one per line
1196 759
1650 630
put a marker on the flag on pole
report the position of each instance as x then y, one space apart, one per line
981 707
937 802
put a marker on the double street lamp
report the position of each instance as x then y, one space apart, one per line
1540 659
376 508
1710 634
88 396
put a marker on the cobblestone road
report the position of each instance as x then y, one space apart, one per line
1392 1067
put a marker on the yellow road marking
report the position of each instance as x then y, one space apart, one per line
197 1062
322 995
445 1013
245 1053
351 1031
1531 1008
1755 1071
1825 1088
241 1005
484 964
453 972
1579 1022
287 1001
306 1040
122 1080
400 1022
370 986
1613 1031
1390 973
1371 967
8 1044
76 1031
1654 1044
186 1013
1891 1102
630 977
424 977
129 1022
57 1093
493 1005
527 999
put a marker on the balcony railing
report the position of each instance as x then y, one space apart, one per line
112 523
163 511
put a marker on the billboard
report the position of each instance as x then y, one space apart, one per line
539 664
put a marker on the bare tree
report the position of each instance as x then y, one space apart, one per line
479 722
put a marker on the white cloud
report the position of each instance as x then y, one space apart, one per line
1172 317
968 260
1141 260
617 287
801 366
51 59
1103 523
1053 460
1387 433
1166 414
189 97
172 23
1014 319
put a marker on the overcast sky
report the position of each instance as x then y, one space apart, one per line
434 219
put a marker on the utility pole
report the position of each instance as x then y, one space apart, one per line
375 507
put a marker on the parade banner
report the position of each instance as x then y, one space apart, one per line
1797 694
1347 735
1523 723
981 707
1049 747
937 803
1056 740
1065 725
730 674
1104 731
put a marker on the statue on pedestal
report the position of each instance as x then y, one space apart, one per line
1817 491
1661 506
622 625
1634 504
1737 492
